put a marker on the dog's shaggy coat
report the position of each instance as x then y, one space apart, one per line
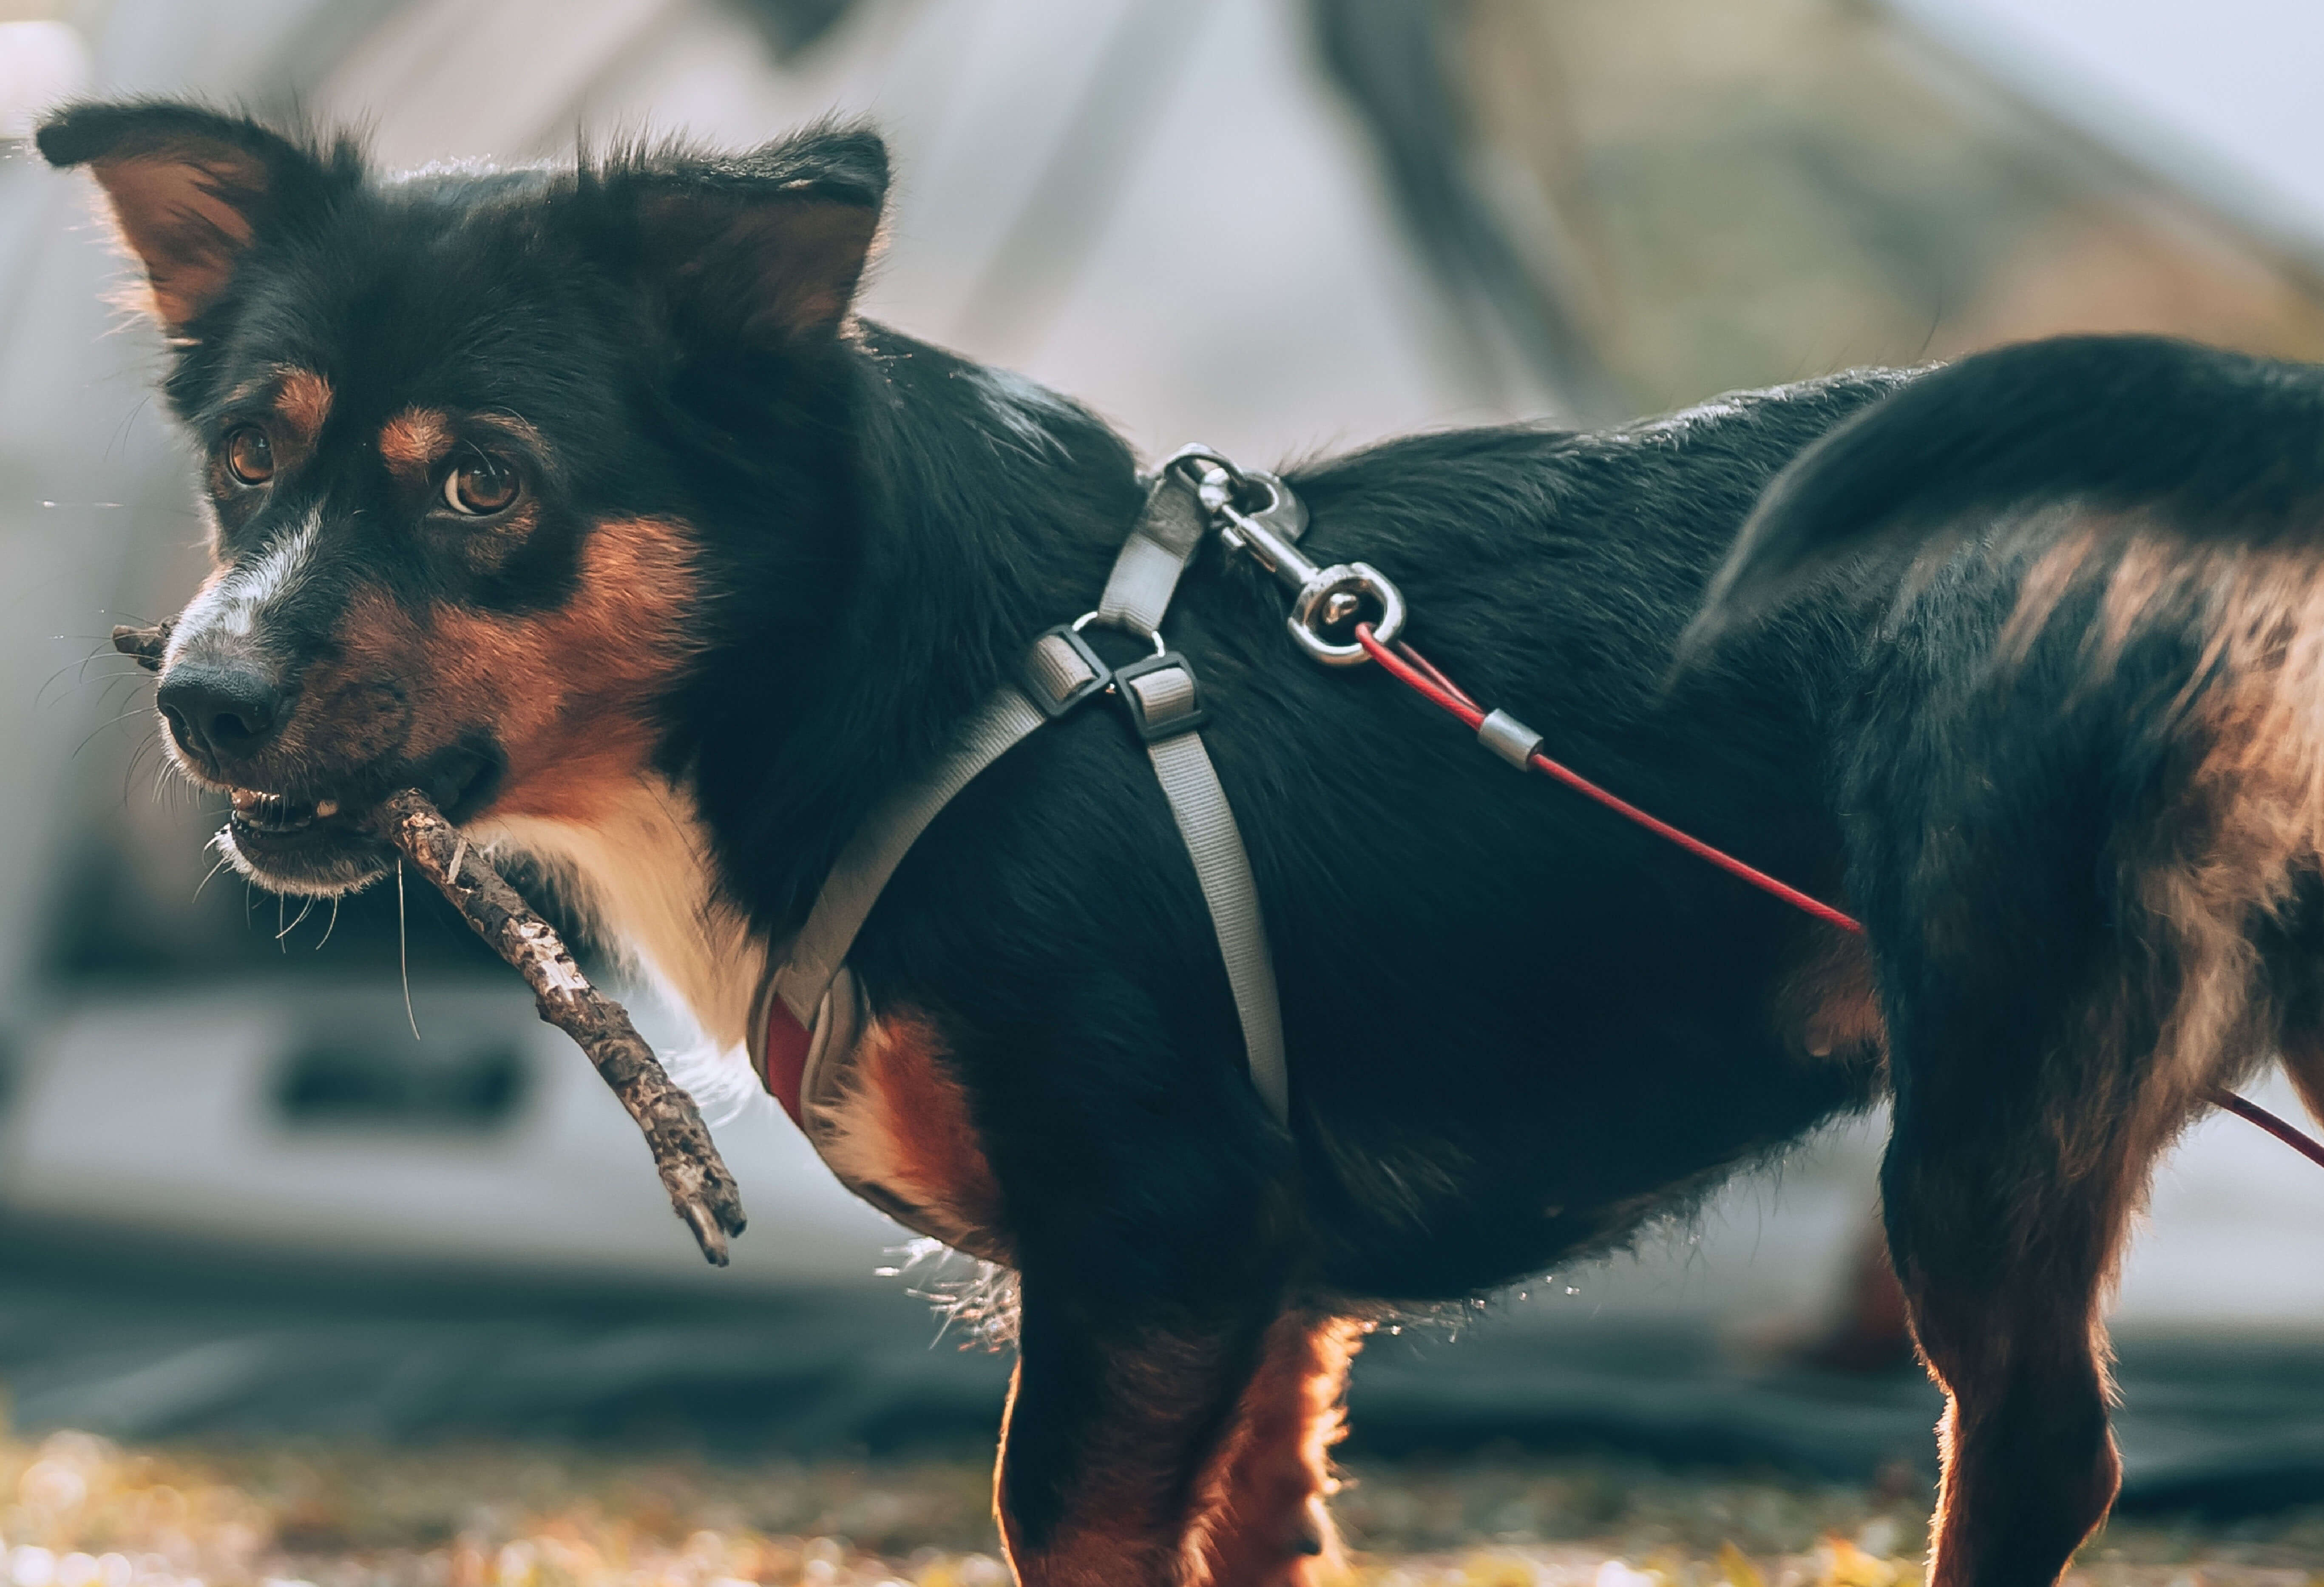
582 499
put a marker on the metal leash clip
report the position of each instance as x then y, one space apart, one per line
1323 598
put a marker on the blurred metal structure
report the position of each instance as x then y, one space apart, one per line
1402 65
793 26
1081 181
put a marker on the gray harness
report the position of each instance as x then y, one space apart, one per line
1194 489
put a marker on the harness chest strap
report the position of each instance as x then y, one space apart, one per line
807 1015
789 1012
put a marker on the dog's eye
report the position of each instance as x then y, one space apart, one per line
479 485
249 455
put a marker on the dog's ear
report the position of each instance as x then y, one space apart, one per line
762 250
191 189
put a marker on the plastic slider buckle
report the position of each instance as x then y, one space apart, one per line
1061 671
1160 695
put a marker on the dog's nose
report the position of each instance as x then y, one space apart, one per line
219 711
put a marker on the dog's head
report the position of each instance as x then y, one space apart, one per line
448 425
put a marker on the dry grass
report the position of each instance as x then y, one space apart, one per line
77 1511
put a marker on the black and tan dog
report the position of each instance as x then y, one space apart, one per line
581 499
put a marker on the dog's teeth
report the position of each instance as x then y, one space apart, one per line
326 807
267 812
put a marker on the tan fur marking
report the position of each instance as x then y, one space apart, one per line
2053 575
258 385
1156 1499
1264 1521
302 401
2251 819
1130 1521
2304 1066
173 214
515 428
1828 1005
570 695
905 1129
413 442
2249 810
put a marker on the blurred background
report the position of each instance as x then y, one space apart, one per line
237 1198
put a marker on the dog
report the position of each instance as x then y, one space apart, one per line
582 500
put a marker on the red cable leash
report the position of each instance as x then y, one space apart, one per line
2291 1134
1417 673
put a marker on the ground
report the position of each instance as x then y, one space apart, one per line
77 1511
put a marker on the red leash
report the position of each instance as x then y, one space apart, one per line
2291 1134
1417 673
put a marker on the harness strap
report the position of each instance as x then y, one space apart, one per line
1207 822
1146 574
879 846
1138 593
792 1030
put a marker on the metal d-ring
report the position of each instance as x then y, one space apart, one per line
1161 648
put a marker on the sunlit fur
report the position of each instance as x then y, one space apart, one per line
2086 778
769 557
900 1127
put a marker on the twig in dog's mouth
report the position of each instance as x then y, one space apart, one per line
144 645
701 1188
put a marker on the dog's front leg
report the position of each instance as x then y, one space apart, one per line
1183 1449
1263 1519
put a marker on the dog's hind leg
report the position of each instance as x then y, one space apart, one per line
2026 1123
1186 1452
2003 1258
2057 992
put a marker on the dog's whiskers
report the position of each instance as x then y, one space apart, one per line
81 679
403 949
100 727
137 760
205 881
299 919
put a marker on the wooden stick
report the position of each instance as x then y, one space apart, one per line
145 645
700 1188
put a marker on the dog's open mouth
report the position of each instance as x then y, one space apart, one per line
272 812
302 846
328 844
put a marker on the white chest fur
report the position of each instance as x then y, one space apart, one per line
642 869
